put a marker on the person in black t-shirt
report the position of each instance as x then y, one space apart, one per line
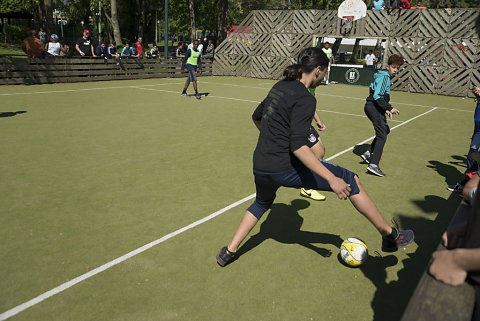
282 157
84 46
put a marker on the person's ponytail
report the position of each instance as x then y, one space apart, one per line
293 72
308 59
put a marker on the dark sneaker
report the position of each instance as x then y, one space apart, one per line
374 169
366 157
198 96
184 95
398 238
224 256
455 188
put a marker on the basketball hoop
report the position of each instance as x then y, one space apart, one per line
347 24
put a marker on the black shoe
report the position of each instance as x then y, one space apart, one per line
455 188
374 169
398 238
366 157
225 256
197 95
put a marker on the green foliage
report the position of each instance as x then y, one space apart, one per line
16 34
9 6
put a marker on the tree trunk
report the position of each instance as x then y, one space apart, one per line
114 21
192 20
48 27
353 58
222 21
336 45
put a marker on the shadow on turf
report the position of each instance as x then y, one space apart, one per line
391 298
201 94
451 173
11 113
283 224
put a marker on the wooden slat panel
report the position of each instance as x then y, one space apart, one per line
455 82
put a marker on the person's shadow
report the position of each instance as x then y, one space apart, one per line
11 113
451 173
360 149
283 224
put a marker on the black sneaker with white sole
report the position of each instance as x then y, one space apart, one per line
366 157
224 256
398 238
374 169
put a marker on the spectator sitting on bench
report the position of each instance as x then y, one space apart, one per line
101 50
53 47
210 51
112 50
154 52
127 51
32 46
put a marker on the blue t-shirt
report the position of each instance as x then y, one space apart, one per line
477 116
378 4
127 51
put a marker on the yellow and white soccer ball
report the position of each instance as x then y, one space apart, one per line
353 251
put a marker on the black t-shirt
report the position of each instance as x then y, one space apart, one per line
85 46
286 115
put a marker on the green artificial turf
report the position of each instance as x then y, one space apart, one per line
92 171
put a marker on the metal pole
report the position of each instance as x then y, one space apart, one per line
165 42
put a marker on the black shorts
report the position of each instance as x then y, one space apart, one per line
312 137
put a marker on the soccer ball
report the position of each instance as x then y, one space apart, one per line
353 251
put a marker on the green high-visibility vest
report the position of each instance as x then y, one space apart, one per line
328 52
193 59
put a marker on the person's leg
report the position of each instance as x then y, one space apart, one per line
381 131
195 86
364 204
391 237
266 193
246 225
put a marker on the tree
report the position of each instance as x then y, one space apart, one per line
222 21
113 19
192 20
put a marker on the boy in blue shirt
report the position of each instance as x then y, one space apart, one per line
376 107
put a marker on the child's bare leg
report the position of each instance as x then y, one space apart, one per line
364 204
246 225
318 149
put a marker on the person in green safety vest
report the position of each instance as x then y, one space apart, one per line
193 60
328 51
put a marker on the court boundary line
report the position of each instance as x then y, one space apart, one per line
258 102
86 89
66 285
346 97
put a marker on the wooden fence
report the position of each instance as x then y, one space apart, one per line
441 47
19 70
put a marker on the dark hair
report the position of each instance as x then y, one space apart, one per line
396 60
308 59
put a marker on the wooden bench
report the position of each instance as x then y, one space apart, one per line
434 300
20 70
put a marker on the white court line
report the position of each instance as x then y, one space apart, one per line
257 102
338 112
346 97
14 311
84 89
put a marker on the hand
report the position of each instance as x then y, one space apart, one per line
340 188
476 90
321 126
445 268
200 72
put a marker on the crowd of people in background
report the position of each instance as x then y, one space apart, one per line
396 4
36 46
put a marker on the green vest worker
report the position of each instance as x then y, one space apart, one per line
193 59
